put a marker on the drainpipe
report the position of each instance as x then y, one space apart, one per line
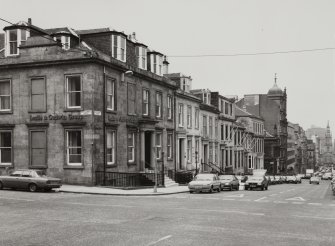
104 122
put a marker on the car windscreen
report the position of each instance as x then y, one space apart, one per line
226 177
39 173
203 178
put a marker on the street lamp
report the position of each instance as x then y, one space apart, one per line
196 162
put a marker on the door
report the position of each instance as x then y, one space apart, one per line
147 149
25 180
13 180
205 160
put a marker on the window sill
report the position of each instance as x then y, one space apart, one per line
73 167
132 163
73 109
38 167
111 165
6 112
111 111
6 165
36 111
170 159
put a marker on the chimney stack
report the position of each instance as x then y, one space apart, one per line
29 21
165 66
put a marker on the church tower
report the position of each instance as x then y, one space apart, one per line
328 149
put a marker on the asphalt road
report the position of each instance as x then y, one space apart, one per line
287 214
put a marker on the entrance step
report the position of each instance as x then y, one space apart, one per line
169 182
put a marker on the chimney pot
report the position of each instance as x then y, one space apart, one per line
29 21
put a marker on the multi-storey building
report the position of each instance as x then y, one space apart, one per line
311 160
253 139
291 147
84 104
272 108
187 124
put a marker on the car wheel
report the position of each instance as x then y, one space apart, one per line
32 187
238 187
262 187
310 182
47 189
266 187
231 188
1 186
191 192
219 189
211 190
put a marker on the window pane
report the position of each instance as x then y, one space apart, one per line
74 99
74 83
5 139
12 35
5 88
5 102
130 139
38 139
38 157
37 86
74 138
37 102
6 155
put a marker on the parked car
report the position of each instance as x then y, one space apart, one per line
291 180
229 182
207 182
242 179
32 180
269 179
256 182
298 178
314 180
273 180
279 180
327 176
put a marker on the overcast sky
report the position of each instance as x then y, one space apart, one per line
205 27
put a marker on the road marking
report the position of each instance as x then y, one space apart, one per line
260 199
295 199
17 199
297 202
159 240
245 200
314 217
228 199
315 203
279 202
212 198
181 197
273 195
237 195
101 205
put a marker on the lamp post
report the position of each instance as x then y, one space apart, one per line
196 162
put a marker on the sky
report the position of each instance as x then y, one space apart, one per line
220 27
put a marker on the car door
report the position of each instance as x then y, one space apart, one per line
25 179
12 180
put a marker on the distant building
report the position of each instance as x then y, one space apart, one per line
272 108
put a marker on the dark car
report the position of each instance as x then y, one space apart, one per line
29 179
229 182
257 182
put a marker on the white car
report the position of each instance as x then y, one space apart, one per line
207 182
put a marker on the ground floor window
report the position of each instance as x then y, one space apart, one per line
158 145
6 148
38 148
189 150
169 145
74 147
131 147
110 147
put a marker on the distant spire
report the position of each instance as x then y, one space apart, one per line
328 124
275 78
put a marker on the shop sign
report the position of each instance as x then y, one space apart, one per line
55 117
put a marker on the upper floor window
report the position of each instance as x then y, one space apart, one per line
5 95
65 42
141 53
210 127
145 102
131 95
15 38
169 105
110 93
38 95
185 84
73 91
119 47
196 118
169 145
158 145
206 97
204 125
226 108
181 115
158 104
189 116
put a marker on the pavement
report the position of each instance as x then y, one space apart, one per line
99 190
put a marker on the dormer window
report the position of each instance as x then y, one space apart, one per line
141 53
64 40
15 38
206 98
156 63
119 47
185 84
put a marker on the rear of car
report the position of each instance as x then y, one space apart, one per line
256 182
314 180
291 180
205 182
229 182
